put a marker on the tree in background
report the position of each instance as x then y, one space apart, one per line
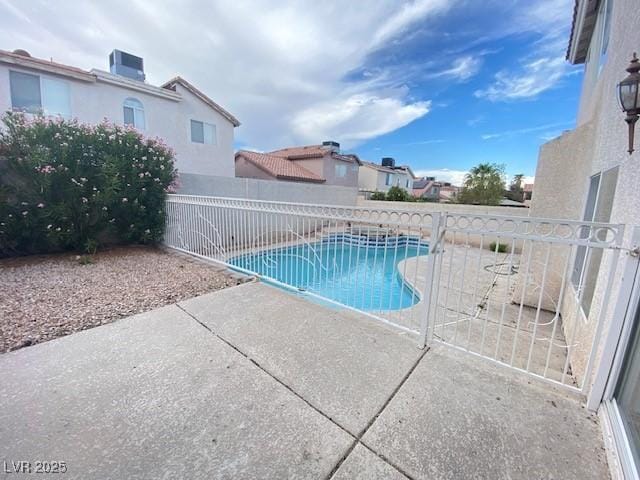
397 194
516 192
483 185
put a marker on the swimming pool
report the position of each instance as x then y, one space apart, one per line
357 271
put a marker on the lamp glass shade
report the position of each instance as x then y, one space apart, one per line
628 95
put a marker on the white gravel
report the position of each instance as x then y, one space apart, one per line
48 296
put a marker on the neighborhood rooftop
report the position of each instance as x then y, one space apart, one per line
279 167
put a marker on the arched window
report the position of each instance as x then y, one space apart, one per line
134 113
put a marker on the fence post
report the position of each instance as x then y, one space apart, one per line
426 329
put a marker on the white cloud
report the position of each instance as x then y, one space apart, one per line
545 66
455 177
528 179
422 142
356 118
461 69
521 131
527 82
405 16
273 65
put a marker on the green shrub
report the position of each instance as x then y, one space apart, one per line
502 247
65 185
378 196
397 194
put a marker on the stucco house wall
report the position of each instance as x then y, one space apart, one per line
367 179
598 143
371 179
326 168
167 115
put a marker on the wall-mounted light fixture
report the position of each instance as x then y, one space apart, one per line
628 94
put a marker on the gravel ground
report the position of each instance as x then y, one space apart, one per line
48 296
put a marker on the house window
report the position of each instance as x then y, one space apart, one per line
602 188
36 94
134 113
407 183
341 170
605 13
202 132
389 179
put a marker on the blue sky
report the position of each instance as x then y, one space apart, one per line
473 117
440 85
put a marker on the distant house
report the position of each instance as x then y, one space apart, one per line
380 178
312 163
429 189
198 129
528 193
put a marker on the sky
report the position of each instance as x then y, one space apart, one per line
440 85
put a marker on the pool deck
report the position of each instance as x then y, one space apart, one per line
252 382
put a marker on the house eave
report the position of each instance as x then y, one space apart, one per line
169 85
120 81
585 15
39 65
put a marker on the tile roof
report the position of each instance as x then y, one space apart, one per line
421 189
313 151
295 153
279 167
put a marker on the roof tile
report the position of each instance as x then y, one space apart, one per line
280 167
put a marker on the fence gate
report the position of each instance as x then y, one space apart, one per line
527 293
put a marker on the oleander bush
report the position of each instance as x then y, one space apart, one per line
70 186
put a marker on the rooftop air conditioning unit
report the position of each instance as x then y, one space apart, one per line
388 162
126 65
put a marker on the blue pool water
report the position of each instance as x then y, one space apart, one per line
355 271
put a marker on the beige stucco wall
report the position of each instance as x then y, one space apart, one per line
598 144
368 179
372 180
253 188
92 102
326 168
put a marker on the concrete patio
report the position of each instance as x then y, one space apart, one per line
252 382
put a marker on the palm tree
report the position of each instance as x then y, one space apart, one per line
483 185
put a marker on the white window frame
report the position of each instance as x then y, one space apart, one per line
137 107
206 140
388 181
606 12
579 282
610 369
44 108
341 170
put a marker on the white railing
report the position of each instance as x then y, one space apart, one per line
349 256
524 292
527 293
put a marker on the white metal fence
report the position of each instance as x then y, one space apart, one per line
527 293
